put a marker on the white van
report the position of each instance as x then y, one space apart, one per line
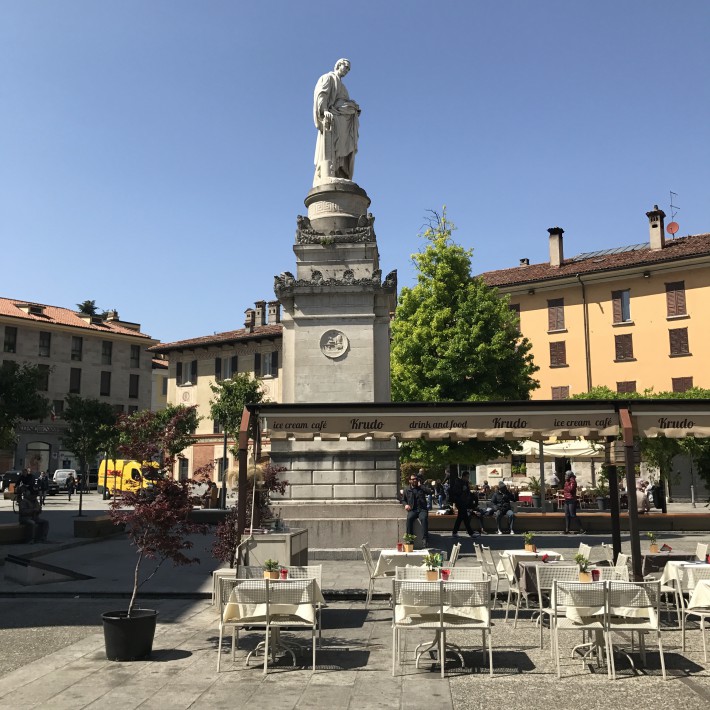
61 475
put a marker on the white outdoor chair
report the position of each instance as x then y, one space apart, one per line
613 574
309 572
586 596
513 588
622 560
455 551
491 568
701 551
370 563
546 576
229 590
703 613
468 574
641 607
585 550
608 553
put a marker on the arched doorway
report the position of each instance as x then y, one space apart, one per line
37 456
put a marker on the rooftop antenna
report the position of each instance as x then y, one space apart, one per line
673 227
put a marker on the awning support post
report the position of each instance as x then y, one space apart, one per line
628 433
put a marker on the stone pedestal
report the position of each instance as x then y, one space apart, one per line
336 313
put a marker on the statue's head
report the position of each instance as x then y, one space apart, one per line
342 66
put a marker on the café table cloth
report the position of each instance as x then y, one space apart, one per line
675 572
518 556
582 614
701 595
390 559
255 610
413 604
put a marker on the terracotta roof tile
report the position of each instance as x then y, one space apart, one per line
63 316
675 249
227 338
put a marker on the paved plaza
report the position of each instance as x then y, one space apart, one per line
52 653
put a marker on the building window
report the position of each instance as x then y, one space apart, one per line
560 392
682 384
75 380
105 390
57 408
133 386
10 339
216 427
675 299
558 354
165 386
77 346
624 346
225 367
183 469
186 373
106 352
621 306
45 344
679 341
556 314
132 409
43 379
118 408
266 364
626 387
135 355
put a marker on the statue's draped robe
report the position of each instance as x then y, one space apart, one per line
336 147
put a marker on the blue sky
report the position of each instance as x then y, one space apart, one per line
154 154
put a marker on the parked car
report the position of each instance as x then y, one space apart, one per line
9 477
61 475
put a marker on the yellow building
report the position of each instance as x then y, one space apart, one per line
629 318
195 363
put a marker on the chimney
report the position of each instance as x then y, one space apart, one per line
249 318
274 312
260 312
556 253
112 315
656 229
525 262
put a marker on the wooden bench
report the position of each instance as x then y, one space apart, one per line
96 526
12 532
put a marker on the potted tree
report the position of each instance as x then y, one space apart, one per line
157 520
271 569
601 491
408 540
653 547
529 542
433 562
534 486
583 563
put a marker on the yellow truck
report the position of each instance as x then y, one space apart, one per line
122 476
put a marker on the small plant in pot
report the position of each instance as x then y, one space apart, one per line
433 562
653 548
529 542
157 520
408 540
583 563
271 569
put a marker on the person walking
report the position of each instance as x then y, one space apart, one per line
570 502
43 487
465 501
71 485
415 503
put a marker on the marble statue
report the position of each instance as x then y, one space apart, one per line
336 118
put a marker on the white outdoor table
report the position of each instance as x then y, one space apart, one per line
675 572
701 595
519 555
389 560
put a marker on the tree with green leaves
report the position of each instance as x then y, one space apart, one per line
454 339
230 397
20 399
88 308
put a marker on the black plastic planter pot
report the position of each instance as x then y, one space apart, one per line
129 639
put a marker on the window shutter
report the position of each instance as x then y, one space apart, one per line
681 384
193 372
257 364
616 306
275 363
625 387
558 354
178 373
560 392
234 364
218 368
679 341
556 314
624 347
680 299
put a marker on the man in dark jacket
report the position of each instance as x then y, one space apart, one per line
415 503
502 504
465 501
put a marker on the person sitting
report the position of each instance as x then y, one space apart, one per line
210 498
642 498
502 504
29 510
